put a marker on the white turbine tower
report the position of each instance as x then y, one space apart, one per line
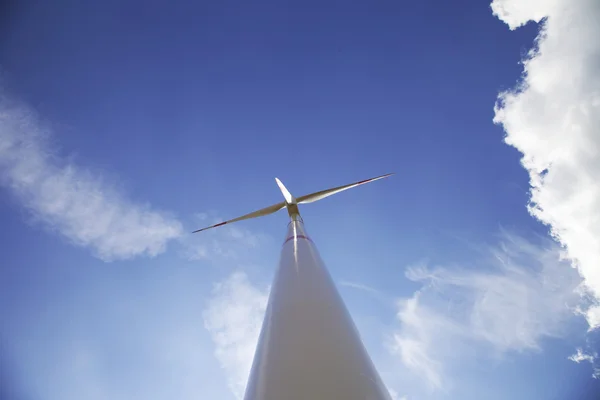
309 347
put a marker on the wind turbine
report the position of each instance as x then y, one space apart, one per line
309 347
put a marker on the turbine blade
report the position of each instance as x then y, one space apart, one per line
286 193
255 214
310 198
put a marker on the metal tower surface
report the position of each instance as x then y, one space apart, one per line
309 347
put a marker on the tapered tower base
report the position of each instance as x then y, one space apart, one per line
309 347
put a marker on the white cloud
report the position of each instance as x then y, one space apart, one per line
70 199
553 119
234 317
522 294
581 356
516 13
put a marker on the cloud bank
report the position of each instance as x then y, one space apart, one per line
553 118
521 294
234 317
71 200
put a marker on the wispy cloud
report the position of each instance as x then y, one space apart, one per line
553 118
70 199
229 242
144 342
396 396
360 286
580 356
591 357
519 295
89 211
234 317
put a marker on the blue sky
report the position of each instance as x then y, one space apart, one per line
125 125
